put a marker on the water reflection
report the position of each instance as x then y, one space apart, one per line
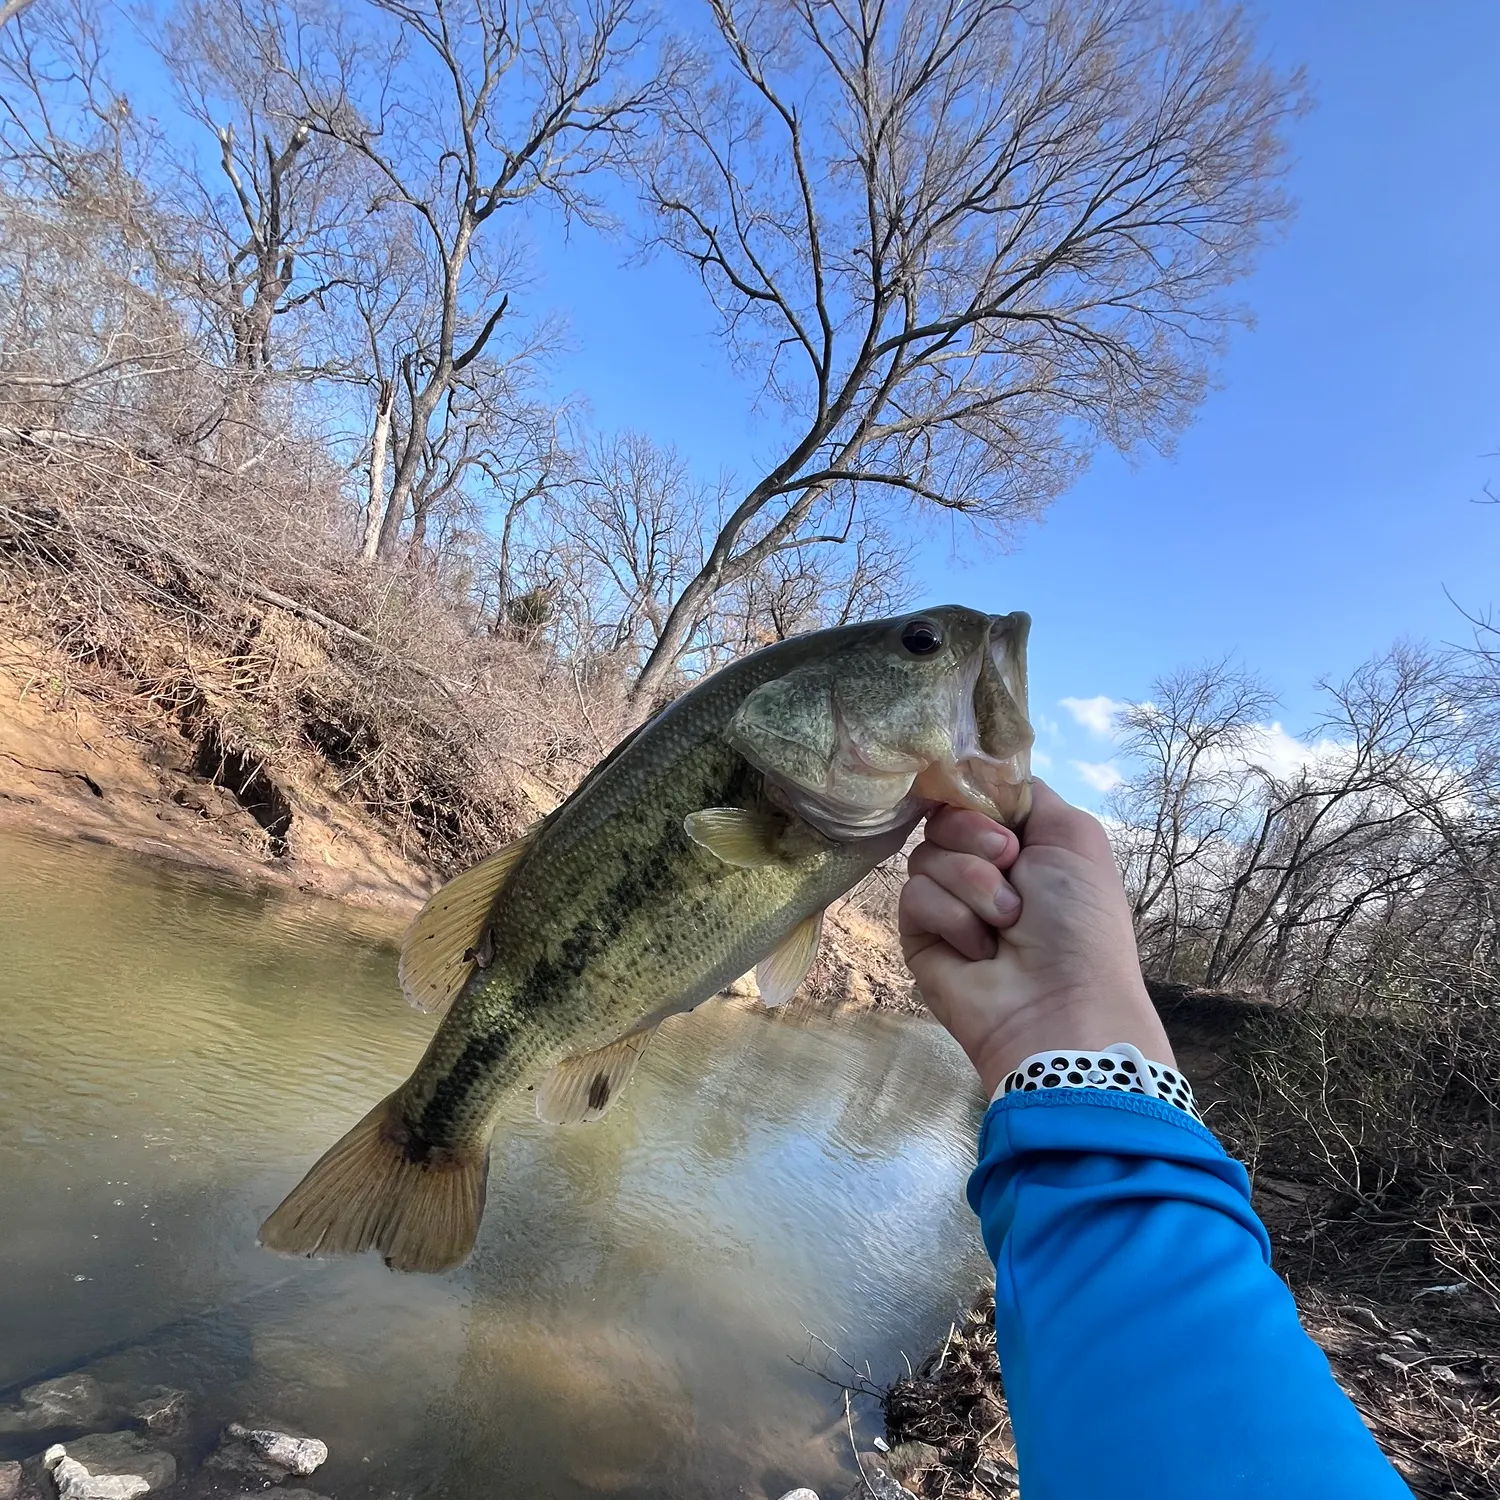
176 1053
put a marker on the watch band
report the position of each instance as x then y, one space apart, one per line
1121 1067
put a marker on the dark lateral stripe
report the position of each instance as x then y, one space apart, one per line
644 883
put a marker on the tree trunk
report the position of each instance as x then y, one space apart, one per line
409 458
379 444
668 648
415 547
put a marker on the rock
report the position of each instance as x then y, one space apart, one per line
161 1409
906 1460
1362 1317
36 1483
266 1453
74 1482
109 1466
878 1482
310 1495
1391 1361
802 1494
10 1481
70 1401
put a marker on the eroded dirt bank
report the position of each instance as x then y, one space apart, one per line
70 768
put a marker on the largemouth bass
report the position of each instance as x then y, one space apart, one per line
707 843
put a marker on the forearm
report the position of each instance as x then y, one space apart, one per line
1146 1345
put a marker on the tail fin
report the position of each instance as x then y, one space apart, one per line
420 1210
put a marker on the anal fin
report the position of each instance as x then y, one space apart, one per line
583 1087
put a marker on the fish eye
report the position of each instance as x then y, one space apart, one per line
921 637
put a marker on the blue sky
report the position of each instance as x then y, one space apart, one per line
1322 501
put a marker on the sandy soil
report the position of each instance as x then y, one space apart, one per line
74 766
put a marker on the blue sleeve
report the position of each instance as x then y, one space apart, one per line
1147 1347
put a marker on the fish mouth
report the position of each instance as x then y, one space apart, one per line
991 767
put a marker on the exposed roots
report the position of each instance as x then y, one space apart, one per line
955 1403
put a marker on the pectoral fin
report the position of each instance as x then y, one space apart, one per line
583 1087
779 973
735 836
450 935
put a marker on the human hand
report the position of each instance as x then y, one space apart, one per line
1023 944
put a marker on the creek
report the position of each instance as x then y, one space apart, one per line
176 1051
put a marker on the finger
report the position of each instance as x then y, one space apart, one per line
975 881
968 832
1058 823
927 909
1007 905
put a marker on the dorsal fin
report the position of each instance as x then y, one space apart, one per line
735 836
583 1087
781 971
450 934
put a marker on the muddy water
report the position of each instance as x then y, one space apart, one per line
173 1054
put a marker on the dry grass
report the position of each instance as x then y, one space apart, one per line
231 611
1427 1383
955 1403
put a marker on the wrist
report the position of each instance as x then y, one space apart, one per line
1087 1019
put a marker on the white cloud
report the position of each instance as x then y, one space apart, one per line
1273 749
1040 760
1103 776
1097 714
1044 725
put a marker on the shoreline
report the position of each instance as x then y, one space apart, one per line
84 767
78 768
22 818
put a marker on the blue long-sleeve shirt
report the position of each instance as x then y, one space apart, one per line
1147 1348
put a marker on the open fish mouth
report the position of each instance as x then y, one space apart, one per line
991 767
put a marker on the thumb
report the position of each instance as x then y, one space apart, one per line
1057 824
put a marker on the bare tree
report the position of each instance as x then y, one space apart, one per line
1331 873
962 243
464 108
265 227
808 588
1353 830
1187 795
630 526
488 443
633 514
65 129
92 348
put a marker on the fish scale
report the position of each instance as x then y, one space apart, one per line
707 841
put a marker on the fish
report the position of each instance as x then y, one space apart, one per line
709 842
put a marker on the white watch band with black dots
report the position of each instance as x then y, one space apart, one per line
1121 1067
